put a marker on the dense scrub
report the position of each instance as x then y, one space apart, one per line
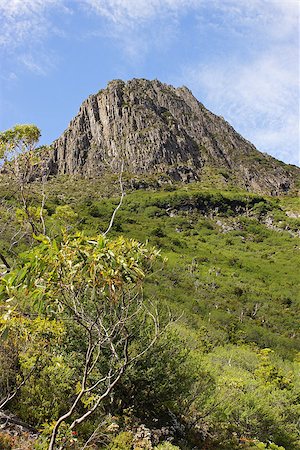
225 373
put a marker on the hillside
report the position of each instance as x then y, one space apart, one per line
149 282
228 372
151 127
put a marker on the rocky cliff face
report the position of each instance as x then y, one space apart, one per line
151 127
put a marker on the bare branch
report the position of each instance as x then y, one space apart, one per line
42 208
77 399
93 435
120 202
107 391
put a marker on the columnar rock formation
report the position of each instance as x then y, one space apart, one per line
151 127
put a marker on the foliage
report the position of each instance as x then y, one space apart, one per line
166 446
252 400
92 267
123 441
161 381
23 163
10 442
225 375
94 286
6 442
20 138
18 149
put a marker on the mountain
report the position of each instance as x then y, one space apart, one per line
151 127
224 374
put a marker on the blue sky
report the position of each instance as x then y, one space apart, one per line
239 57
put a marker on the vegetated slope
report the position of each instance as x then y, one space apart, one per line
151 127
230 373
233 257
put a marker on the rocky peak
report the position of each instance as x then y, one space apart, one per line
151 127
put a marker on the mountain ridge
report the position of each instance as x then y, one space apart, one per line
152 127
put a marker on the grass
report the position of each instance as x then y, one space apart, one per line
226 272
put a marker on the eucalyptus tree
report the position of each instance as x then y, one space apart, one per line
22 161
93 286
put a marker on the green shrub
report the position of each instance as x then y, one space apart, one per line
166 446
123 441
158 232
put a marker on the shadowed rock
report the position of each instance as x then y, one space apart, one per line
152 127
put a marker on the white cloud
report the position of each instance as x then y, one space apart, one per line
132 11
270 20
25 24
231 12
258 97
139 26
39 64
23 21
257 91
10 76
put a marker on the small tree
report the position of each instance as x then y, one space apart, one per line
17 149
21 139
95 287
22 162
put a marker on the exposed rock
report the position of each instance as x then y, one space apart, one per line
293 214
142 438
151 127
